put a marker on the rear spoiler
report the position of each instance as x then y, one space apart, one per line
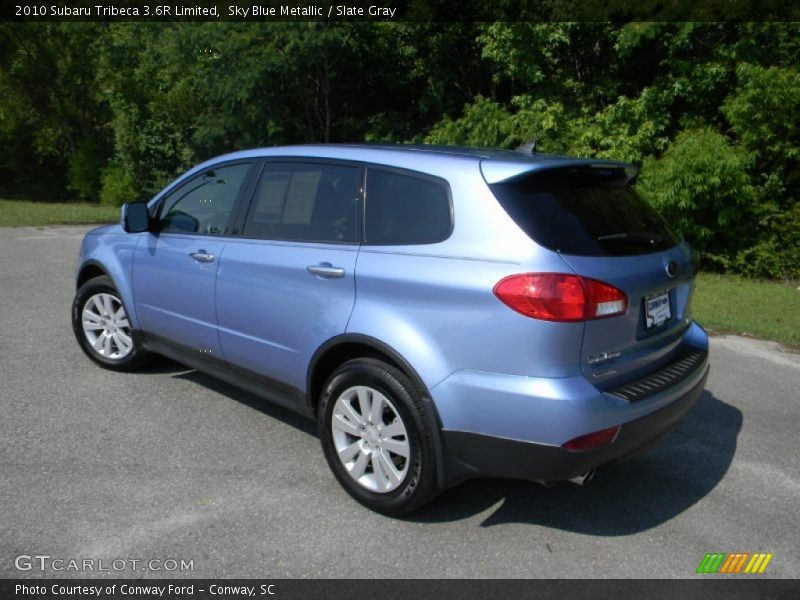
500 171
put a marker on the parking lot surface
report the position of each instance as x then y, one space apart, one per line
172 464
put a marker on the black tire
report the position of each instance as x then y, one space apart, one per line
135 359
419 485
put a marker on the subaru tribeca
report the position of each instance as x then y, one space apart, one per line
442 313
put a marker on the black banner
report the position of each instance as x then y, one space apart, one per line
400 10
386 589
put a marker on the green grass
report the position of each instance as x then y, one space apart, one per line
18 213
760 309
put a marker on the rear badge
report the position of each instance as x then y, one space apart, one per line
602 357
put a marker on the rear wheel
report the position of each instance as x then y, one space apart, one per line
376 437
102 328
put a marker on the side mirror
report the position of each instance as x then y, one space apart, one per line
135 217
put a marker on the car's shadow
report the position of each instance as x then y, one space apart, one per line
622 499
161 364
644 492
179 371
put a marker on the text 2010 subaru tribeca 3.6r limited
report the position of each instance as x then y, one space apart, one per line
443 313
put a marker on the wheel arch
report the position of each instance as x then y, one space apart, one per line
89 270
342 348
92 268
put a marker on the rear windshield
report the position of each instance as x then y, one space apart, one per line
585 211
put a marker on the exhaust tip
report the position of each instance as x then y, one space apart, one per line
583 479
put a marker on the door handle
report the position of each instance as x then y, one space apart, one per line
326 270
202 256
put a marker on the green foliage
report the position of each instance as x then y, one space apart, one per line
627 130
701 187
764 116
710 112
764 113
83 169
777 254
118 187
48 107
489 125
717 139
569 62
484 124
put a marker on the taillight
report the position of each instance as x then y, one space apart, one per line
560 297
592 440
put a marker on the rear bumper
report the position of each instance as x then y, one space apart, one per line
469 454
500 425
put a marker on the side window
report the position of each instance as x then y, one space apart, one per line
404 209
305 201
204 204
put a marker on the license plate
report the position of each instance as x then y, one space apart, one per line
657 310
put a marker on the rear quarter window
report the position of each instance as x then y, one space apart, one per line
584 211
403 208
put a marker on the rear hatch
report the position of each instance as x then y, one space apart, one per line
592 216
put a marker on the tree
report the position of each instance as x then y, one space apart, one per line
53 138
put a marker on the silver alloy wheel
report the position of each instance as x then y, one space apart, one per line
370 439
106 326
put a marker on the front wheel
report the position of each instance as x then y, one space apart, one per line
102 328
376 437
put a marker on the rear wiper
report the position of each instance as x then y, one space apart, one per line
644 238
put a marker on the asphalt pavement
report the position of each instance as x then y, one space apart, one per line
170 464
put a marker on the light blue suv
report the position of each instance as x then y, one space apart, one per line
443 313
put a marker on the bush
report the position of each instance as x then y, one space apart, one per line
700 185
487 124
484 124
764 114
117 187
764 260
779 256
627 130
83 169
